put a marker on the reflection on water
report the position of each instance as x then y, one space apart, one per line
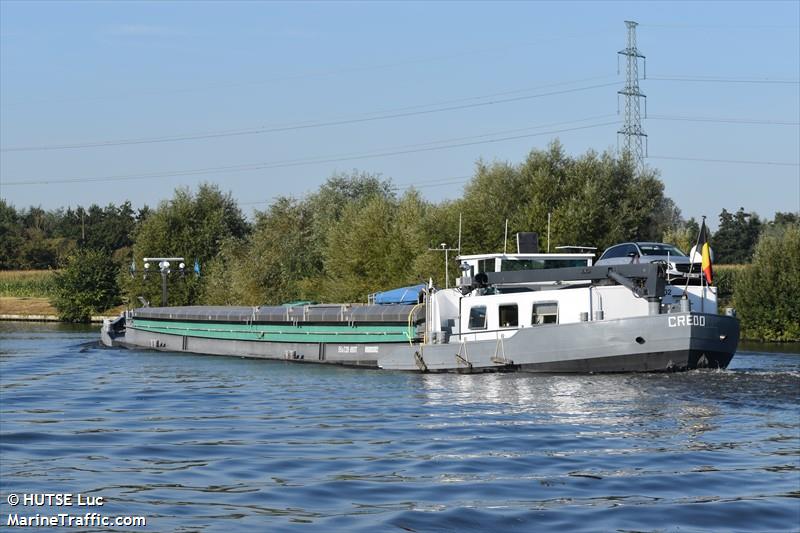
769 347
208 443
612 400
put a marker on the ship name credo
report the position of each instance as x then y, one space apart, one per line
686 321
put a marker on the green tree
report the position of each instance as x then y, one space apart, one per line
375 246
39 239
354 236
190 225
227 279
592 200
275 264
784 219
736 238
111 228
767 292
419 227
283 259
327 205
86 286
36 249
683 234
10 236
492 196
438 225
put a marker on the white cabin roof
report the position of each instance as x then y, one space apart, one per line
526 256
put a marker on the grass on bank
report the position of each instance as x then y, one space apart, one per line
12 305
28 306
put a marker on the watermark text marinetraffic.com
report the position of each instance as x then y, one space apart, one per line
64 510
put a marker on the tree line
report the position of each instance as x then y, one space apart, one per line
34 239
358 234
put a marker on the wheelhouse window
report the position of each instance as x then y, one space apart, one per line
486 265
477 317
509 315
544 313
511 265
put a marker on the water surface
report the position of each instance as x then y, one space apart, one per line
205 443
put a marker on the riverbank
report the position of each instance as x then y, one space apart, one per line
32 309
25 297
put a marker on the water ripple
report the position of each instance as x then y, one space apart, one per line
198 443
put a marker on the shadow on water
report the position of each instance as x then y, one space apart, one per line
769 347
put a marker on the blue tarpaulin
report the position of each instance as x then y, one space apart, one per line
403 295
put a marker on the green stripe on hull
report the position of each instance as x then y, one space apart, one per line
278 332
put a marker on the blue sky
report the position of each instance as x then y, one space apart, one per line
107 102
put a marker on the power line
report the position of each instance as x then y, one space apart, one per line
723 26
717 79
507 132
397 113
501 93
298 162
317 74
733 161
426 147
400 112
725 120
438 183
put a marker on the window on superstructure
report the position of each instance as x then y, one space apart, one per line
477 317
565 263
544 313
509 315
511 265
485 265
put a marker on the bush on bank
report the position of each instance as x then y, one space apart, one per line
86 286
724 280
767 292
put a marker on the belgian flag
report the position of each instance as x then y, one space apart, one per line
705 252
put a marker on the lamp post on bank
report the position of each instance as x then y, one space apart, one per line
164 267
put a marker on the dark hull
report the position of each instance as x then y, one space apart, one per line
652 362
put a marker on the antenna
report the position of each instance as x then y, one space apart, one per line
444 248
505 239
548 233
632 127
459 233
